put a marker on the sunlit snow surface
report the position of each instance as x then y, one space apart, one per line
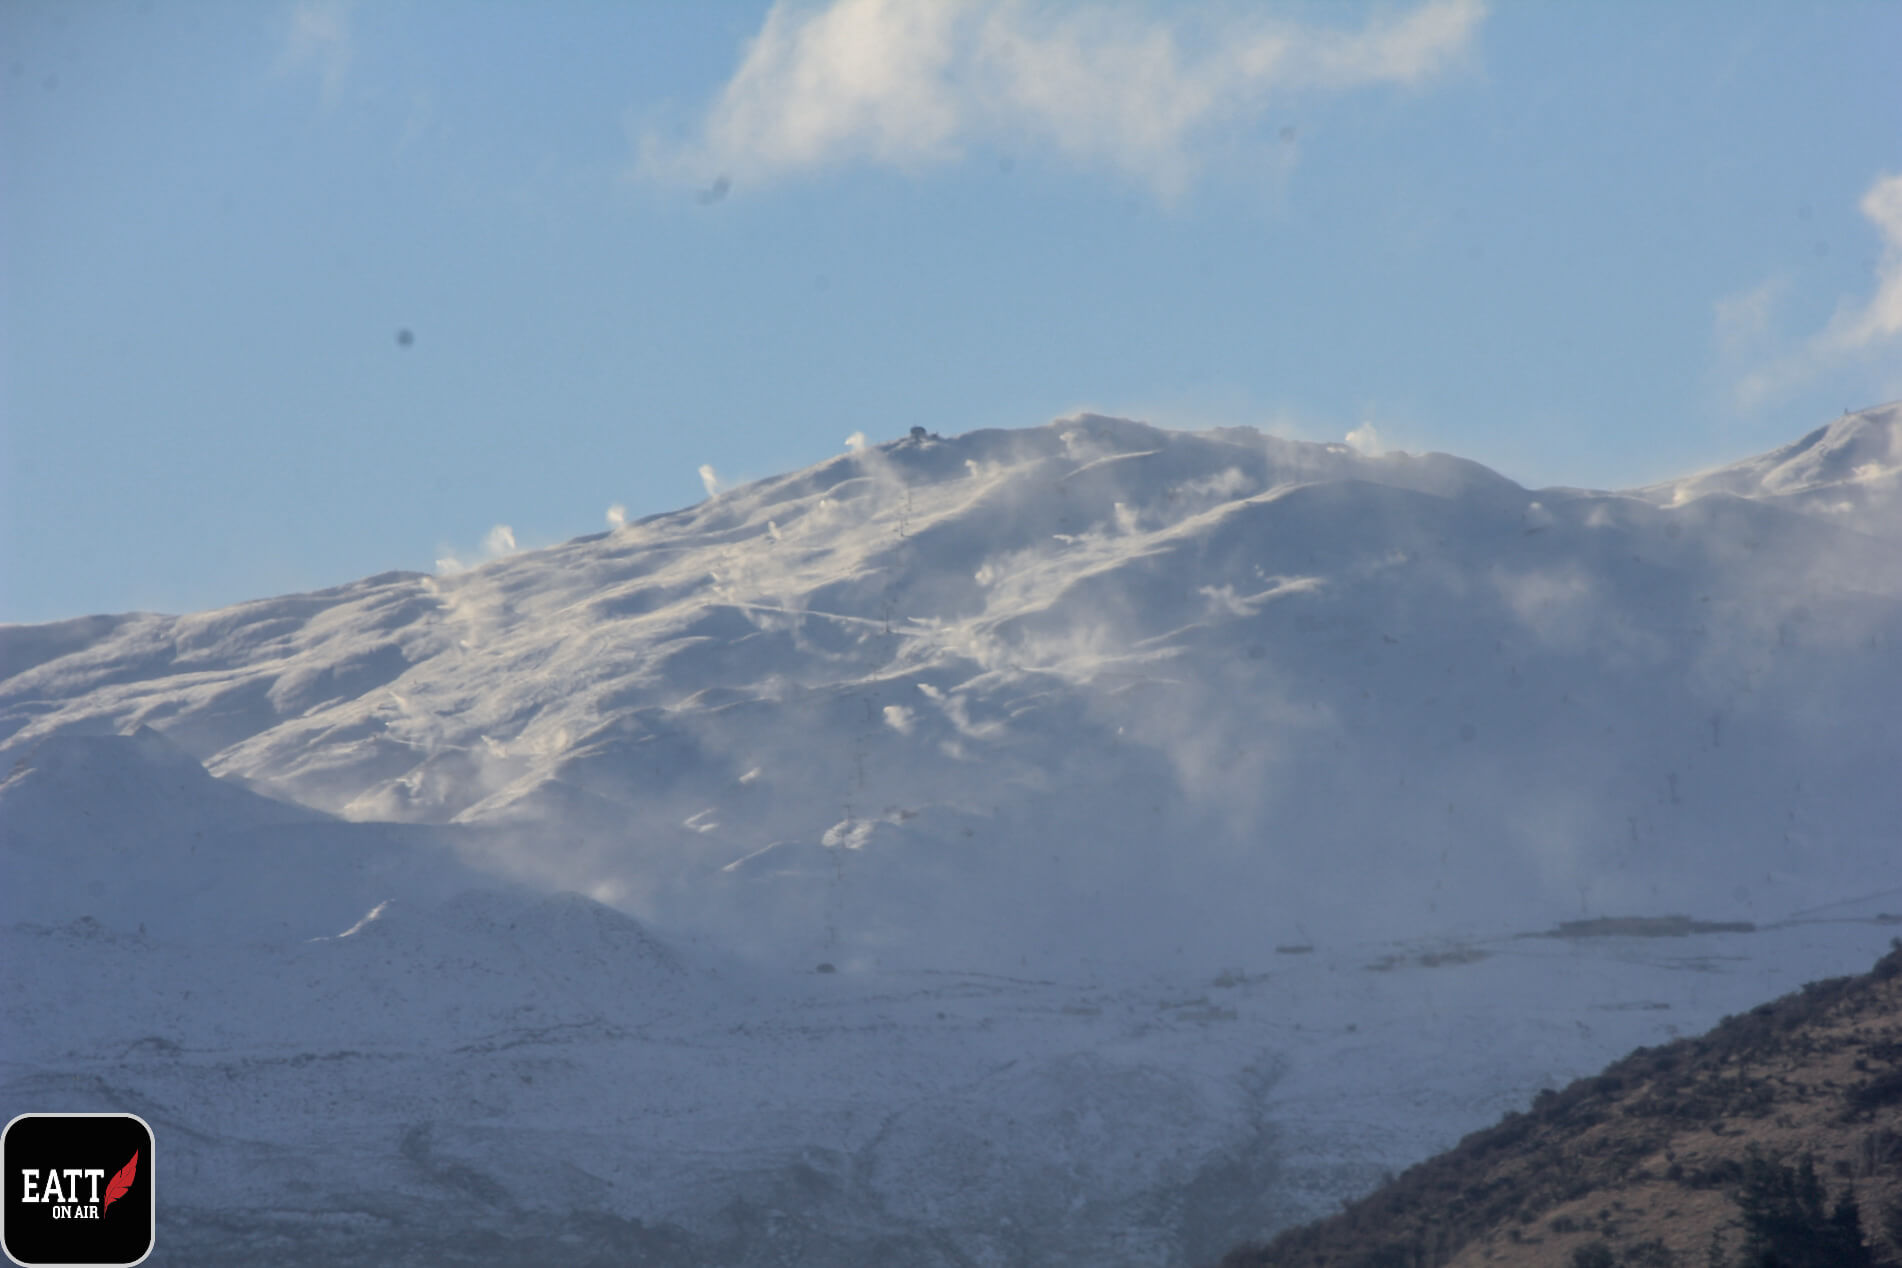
1166 809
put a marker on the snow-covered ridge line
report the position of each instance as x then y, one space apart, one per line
987 569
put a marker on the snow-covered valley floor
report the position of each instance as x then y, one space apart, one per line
513 1075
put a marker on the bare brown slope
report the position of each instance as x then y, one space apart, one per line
1648 1159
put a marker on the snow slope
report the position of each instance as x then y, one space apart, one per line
1167 810
1849 472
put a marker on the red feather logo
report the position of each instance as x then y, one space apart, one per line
121 1182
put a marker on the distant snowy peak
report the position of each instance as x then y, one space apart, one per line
1849 471
910 666
129 832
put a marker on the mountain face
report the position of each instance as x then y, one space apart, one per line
1107 665
1085 843
1849 473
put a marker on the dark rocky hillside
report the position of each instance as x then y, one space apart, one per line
1774 1139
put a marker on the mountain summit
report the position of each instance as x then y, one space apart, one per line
1107 669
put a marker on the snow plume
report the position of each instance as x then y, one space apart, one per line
1859 331
1152 95
1365 441
956 707
1567 611
1226 485
884 491
497 543
1225 602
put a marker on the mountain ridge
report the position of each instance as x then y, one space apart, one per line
1038 582
1024 848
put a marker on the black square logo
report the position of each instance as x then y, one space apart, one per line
79 1189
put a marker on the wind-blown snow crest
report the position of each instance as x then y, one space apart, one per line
1849 471
935 671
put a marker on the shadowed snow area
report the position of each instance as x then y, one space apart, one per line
1164 809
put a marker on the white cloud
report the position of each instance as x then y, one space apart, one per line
1744 326
709 478
617 516
910 83
319 38
1881 317
500 541
855 443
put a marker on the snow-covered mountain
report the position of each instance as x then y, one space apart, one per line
986 841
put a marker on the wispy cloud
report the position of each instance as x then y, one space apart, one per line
1881 318
318 38
912 83
1745 327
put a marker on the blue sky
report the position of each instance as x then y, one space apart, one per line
1590 244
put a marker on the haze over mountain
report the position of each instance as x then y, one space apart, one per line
1096 763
